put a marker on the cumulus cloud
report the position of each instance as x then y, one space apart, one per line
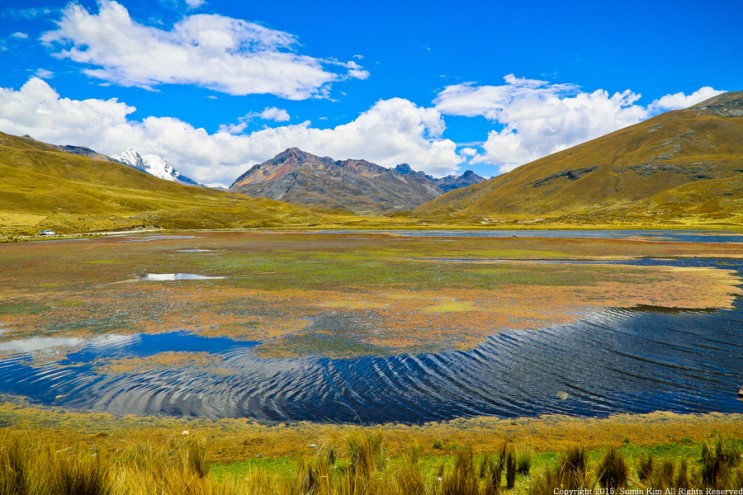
677 101
220 53
195 4
536 118
391 132
275 114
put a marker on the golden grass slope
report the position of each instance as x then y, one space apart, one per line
43 187
676 167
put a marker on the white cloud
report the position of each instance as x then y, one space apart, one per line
271 113
44 73
677 101
537 118
391 132
19 35
195 4
220 53
275 114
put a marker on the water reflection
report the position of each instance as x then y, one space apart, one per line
613 360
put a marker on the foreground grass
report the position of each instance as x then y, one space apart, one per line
139 454
367 461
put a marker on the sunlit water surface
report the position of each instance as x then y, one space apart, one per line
613 360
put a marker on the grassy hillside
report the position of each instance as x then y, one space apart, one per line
43 187
681 167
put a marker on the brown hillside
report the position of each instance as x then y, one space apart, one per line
679 165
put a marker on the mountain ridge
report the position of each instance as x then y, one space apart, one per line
680 164
299 177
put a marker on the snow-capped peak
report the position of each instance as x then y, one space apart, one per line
130 157
153 165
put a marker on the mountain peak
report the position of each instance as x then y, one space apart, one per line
403 169
131 157
296 176
153 165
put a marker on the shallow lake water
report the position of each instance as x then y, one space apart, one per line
609 361
172 277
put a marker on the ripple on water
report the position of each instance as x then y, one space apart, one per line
610 361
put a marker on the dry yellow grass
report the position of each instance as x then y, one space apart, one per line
235 439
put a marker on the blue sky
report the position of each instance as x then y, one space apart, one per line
215 86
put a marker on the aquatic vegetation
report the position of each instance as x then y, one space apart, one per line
386 293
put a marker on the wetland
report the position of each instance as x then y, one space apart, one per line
376 327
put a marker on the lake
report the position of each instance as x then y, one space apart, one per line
608 360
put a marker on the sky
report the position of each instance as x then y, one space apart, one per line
216 86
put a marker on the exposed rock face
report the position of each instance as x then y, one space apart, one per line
298 177
86 152
726 105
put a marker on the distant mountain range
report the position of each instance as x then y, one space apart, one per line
298 177
683 167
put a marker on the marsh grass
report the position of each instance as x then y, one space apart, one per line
523 463
720 458
613 471
645 467
573 467
358 465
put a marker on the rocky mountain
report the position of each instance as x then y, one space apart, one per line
445 184
684 167
153 165
302 178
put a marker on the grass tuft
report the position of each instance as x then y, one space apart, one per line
645 467
613 471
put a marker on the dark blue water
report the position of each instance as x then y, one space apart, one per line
610 361
651 235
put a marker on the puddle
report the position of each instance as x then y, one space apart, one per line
194 251
170 277
540 261
161 238
649 235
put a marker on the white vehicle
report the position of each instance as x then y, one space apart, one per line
47 232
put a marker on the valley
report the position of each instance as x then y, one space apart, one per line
358 303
